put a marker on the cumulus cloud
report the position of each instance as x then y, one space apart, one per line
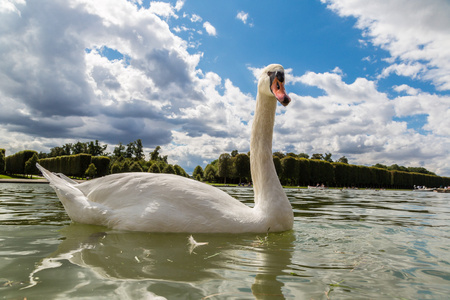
414 32
57 85
164 9
211 30
243 16
356 120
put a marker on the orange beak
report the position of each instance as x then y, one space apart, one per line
279 92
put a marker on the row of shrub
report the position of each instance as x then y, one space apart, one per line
76 165
81 165
2 160
301 171
15 164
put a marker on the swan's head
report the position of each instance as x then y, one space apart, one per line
271 83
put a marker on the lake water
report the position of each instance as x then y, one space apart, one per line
351 244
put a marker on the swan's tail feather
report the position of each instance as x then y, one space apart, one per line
71 197
71 181
52 178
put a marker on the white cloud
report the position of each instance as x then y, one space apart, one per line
211 30
356 120
157 93
407 89
196 18
243 16
164 9
414 32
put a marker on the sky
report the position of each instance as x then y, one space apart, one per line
369 80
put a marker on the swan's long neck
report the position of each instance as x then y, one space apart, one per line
269 194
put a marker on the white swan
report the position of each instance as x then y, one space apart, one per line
169 203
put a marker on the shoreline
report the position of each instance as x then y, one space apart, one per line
23 180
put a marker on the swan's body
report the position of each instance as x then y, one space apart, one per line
170 203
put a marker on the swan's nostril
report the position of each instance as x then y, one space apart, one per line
286 101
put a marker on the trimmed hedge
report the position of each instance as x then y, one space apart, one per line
15 164
102 165
70 165
313 171
2 160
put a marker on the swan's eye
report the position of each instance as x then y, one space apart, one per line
280 76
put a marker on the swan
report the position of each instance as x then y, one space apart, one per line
170 203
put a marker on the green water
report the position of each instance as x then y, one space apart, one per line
345 245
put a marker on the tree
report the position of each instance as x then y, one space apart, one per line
198 171
180 171
279 154
225 166
79 148
303 155
420 170
242 166
130 150
327 157
139 150
91 171
396 167
209 173
136 167
154 169
234 153
290 169
30 165
155 154
380 166
291 154
168 169
343 160
119 151
57 151
317 156
95 149
2 161
115 168
126 166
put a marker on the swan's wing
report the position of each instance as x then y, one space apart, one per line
164 202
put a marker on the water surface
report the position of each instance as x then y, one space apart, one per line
351 244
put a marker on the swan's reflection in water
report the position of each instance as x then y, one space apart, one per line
237 266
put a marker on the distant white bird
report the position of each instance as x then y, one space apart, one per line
169 203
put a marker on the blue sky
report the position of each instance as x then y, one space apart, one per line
369 80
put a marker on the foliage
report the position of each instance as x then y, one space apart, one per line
198 172
2 161
343 160
290 172
168 169
30 165
116 168
210 172
15 164
91 171
101 164
154 168
225 166
241 166
136 167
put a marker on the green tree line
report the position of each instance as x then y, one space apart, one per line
91 162
299 170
